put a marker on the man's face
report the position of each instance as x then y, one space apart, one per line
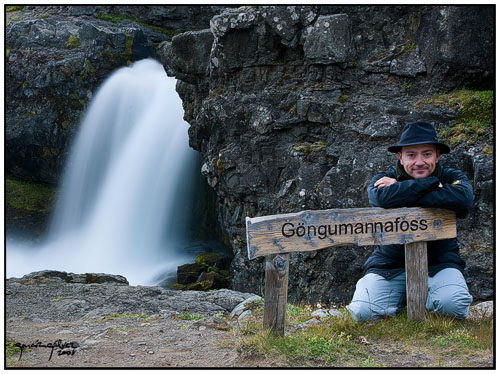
419 161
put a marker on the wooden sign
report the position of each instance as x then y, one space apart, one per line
317 229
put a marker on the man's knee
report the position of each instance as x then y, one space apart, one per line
375 297
360 311
451 301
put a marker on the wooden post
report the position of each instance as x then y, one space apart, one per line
416 279
276 293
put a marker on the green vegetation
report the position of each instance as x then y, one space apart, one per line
113 316
13 8
410 47
474 124
407 87
128 51
189 317
309 147
30 196
342 99
121 17
88 71
342 342
12 353
73 42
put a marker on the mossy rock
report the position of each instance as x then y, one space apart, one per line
189 273
217 279
205 285
208 259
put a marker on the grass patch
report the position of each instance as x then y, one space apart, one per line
30 196
113 316
342 342
474 124
12 353
11 349
189 317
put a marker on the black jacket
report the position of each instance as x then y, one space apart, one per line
456 195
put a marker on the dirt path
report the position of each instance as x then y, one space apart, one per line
126 342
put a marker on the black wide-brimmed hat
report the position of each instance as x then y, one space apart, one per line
418 133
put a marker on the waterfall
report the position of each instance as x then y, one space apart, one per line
123 204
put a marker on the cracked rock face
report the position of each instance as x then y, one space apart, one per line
298 106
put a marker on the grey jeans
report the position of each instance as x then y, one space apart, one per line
376 296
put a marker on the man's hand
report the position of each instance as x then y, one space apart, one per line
384 182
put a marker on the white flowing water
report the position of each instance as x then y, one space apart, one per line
122 207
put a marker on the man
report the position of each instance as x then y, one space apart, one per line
417 180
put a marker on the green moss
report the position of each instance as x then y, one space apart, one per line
207 259
474 123
127 51
121 17
13 8
307 148
407 87
342 99
88 71
293 110
73 42
30 196
410 47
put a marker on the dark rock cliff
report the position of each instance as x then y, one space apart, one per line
293 108
57 56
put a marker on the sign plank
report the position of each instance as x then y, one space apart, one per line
311 230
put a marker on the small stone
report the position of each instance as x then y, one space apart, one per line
321 313
362 340
335 313
245 314
481 310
